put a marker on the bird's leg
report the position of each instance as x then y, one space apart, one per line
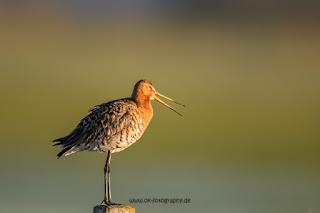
107 188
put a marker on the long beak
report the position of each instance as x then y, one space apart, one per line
157 99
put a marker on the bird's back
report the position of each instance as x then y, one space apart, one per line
114 126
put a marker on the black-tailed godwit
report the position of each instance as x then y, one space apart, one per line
113 126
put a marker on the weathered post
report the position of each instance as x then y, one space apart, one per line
113 209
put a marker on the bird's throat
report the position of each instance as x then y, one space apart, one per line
144 103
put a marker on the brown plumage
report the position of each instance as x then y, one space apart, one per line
113 126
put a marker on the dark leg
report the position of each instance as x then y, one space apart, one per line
107 189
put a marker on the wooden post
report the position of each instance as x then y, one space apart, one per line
113 209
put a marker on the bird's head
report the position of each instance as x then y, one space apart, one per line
145 91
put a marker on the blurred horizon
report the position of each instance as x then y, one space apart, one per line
248 72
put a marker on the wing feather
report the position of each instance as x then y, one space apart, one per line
104 122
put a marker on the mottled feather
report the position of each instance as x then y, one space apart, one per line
114 126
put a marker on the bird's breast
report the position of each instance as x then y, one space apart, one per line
136 125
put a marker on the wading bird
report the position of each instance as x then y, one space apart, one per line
113 126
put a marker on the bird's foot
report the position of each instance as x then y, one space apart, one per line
109 203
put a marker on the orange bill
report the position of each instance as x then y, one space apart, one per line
157 99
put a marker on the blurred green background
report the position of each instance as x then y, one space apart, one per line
248 72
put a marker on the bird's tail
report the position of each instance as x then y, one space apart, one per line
58 141
64 152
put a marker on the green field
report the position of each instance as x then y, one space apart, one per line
248 140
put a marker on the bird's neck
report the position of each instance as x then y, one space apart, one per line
143 103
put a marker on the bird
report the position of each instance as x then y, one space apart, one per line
113 126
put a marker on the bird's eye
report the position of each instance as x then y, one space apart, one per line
150 87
